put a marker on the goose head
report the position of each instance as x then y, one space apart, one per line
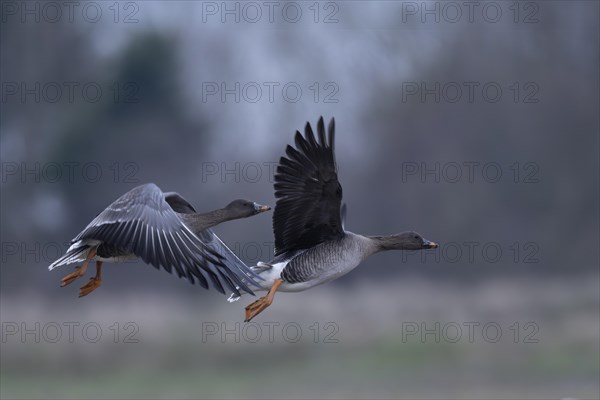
245 208
405 241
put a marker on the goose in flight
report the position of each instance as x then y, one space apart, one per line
311 245
164 230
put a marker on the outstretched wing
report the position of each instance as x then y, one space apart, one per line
209 238
143 223
308 192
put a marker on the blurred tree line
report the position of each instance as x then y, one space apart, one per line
146 126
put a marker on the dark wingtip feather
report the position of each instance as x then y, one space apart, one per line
321 132
310 136
290 151
331 132
298 139
307 191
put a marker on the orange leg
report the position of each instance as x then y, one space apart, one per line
259 305
93 283
79 271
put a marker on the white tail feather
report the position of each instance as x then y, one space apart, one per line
234 297
73 255
259 268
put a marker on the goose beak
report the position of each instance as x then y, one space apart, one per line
430 245
260 208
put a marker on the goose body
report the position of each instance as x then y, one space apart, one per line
320 264
312 246
164 230
105 252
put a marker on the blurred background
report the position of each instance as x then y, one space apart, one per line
474 124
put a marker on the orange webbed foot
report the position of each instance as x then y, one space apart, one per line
89 287
252 310
256 308
78 273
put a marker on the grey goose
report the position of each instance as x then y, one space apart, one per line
311 245
164 230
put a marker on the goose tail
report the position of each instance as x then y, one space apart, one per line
234 296
77 252
259 268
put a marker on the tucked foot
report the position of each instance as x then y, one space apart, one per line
78 273
89 287
256 308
